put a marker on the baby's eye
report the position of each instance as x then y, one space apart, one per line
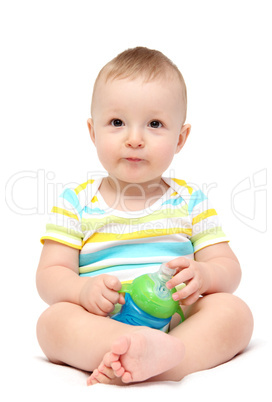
117 123
155 124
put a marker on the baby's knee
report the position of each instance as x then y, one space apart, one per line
232 306
46 329
236 307
47 318
239 316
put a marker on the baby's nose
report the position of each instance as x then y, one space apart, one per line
135 139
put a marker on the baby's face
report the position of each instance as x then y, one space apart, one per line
137 127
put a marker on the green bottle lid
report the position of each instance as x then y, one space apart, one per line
149 292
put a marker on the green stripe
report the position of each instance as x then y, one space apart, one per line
51 228
207 235
94 223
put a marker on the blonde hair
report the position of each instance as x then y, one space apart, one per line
141 62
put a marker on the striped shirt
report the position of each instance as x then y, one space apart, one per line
129 244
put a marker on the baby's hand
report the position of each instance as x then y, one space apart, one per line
100 294
190 272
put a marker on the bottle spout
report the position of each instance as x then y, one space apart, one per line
164 269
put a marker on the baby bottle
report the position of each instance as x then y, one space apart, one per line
148 301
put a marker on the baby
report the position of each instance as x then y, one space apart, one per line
111 229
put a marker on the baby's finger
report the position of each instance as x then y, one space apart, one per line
111 295
180 262
105 306
121 299
112 282
98 310
190 289
191 299
183 276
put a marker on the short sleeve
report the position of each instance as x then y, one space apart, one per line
64 225
206 225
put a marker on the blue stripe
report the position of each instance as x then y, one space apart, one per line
196 198
125 267
94 210
70 196
175 201
138 250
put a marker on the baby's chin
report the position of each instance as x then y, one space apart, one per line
138 180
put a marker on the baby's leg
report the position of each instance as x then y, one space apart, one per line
217 327
68 334
137 356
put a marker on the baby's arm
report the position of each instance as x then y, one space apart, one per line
215 269
58 280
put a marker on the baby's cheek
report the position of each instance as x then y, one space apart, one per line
165 156
105 151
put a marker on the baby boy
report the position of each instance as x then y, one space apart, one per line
111 229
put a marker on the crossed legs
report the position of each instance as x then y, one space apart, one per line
217 327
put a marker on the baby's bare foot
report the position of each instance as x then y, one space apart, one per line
137 357
104 374
143 354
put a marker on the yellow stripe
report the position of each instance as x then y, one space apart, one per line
83 186
204 215
103 237
184 184
59 241
94 199
64 212
95 224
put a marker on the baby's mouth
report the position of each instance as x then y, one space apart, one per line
134 159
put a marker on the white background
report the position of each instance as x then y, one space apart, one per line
51 52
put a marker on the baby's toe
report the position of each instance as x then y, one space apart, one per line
92 379
106 360
118 369
107 371
127 377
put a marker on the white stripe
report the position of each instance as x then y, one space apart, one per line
107 263
120 228
211 223
130 274
66 221
93 247
201 207
63 238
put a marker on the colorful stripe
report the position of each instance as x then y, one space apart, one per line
197 198
207 235
128 244
182 183
137 250
116 268
62 211
83 186
54 238
168 215
204 215
101 237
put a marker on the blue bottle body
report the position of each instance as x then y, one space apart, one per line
131 314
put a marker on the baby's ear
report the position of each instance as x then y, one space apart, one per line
184 132
90 125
